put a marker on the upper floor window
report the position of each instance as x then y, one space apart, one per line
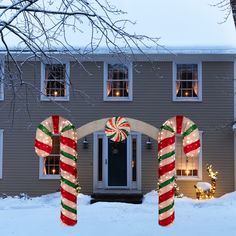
1 83
187 168
117 82
49 166
55 82
1 151
187 82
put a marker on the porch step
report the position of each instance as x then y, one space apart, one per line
135 198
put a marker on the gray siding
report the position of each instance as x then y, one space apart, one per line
152 103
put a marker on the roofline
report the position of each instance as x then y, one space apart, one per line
148 50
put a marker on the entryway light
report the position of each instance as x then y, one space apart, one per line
85 143
149 143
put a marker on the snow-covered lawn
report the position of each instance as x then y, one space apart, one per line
40 216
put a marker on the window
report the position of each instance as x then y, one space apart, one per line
50 165
100 158
134 158
117 82
187 169
1 151
55 82
187 82
1 83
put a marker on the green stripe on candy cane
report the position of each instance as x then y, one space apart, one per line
167 155
65 154
45 130
69 183
167 208
167 127
72 210
68 127
189 130
169 181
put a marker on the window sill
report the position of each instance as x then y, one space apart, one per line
114 99
187 100
48 177
54 99
190 178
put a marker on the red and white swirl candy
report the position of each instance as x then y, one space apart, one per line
57 125
166 157
117 129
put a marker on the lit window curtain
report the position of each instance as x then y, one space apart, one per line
109 80
127 80
46 84
195 83
177 81
44 166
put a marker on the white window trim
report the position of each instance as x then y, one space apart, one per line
174 77
130 77
199 177
2 84
60 99
1 152
41 168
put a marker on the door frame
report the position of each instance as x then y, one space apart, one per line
103 185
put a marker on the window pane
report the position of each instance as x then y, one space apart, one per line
117 81
184 168
52 162
134 159
100 158
187 80
55 80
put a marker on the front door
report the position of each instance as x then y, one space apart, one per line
117 163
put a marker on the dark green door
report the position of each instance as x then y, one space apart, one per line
117 163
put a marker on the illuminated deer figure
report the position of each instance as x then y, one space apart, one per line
205 190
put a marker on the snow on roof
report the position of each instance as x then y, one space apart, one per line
183 26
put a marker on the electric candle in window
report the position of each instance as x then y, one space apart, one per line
187 172
117 93
53 171
55 93
186 94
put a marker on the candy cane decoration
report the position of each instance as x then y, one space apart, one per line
117 129
56 125
166 157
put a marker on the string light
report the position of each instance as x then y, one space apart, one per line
207 193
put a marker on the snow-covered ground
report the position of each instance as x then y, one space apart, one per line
40 216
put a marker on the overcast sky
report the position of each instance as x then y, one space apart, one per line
178 23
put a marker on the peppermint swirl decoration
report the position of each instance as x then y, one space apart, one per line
117 129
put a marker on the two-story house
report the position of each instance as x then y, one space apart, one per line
197 82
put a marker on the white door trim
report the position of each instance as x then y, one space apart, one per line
98 185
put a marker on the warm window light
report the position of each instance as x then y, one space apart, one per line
187 172
55 93
53 171
186 93
117 93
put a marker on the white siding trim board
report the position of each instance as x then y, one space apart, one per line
1 152
233 126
